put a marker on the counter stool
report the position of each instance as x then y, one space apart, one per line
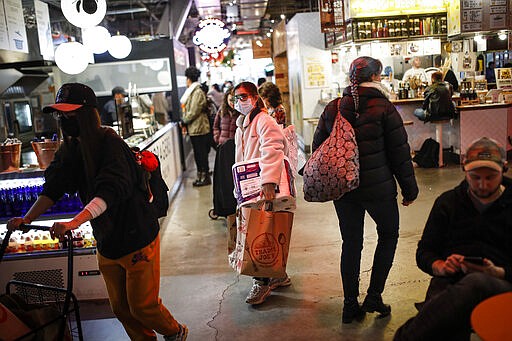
439 138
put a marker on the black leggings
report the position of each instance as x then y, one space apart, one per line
351 222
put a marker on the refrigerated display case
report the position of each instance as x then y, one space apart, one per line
35 257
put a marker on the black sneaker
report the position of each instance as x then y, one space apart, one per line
352 311
373 304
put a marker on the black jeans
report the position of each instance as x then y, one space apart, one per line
447 311
201 145
351 222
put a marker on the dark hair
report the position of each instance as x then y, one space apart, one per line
252 90
192 73
271 92
490 64
118 90
437 61
91 137
216 87
437 76
225 109
361 70
204 87
261 80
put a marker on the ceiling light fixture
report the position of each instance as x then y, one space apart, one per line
502 35
72 58
96 39
283 16
84 13
120 46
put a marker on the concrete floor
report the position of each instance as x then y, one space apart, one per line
202 291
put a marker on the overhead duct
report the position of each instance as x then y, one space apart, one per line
17 84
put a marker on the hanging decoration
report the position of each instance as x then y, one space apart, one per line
211 35
84 13
120 46
96 38
72 58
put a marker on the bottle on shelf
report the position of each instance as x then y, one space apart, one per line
380 29
374 30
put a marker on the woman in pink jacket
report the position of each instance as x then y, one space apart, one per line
259 136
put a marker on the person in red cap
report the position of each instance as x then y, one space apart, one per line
97 163
466 247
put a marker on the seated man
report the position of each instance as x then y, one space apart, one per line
438 102
472 220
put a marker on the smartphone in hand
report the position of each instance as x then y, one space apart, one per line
474 260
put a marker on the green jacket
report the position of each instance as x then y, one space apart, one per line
195 113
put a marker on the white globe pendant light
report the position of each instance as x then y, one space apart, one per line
119 46
84 13
72 58
96 39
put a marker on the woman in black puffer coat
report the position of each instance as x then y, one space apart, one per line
385 159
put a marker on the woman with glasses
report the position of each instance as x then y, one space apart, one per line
224 128
259 136
96 162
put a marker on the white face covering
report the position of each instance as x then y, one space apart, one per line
244 107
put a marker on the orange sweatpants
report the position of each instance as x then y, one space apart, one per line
133 283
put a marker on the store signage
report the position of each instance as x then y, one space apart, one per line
44 32
261 48
480 15
332 15
13 35
211 35
375 8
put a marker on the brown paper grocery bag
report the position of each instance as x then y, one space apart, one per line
262 244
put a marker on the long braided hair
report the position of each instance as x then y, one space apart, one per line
361 70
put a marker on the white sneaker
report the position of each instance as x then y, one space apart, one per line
259 292
279 282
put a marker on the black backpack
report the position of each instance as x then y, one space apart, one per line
428 155
154 185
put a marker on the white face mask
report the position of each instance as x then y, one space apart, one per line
244 107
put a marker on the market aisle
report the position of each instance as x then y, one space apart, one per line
203 292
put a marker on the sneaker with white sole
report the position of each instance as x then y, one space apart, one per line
259 292
279 282
181 335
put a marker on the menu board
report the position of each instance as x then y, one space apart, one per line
14 25
480 15
4 36
332 15
44 31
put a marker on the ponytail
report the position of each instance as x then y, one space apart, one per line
361 70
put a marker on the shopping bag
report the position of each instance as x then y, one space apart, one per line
231 232
262 243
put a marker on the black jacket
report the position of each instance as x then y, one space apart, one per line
438 101
455 226
384 153
129 223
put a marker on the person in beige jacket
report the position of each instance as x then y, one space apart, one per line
259 136
195 118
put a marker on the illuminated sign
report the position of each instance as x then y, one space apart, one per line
211 36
